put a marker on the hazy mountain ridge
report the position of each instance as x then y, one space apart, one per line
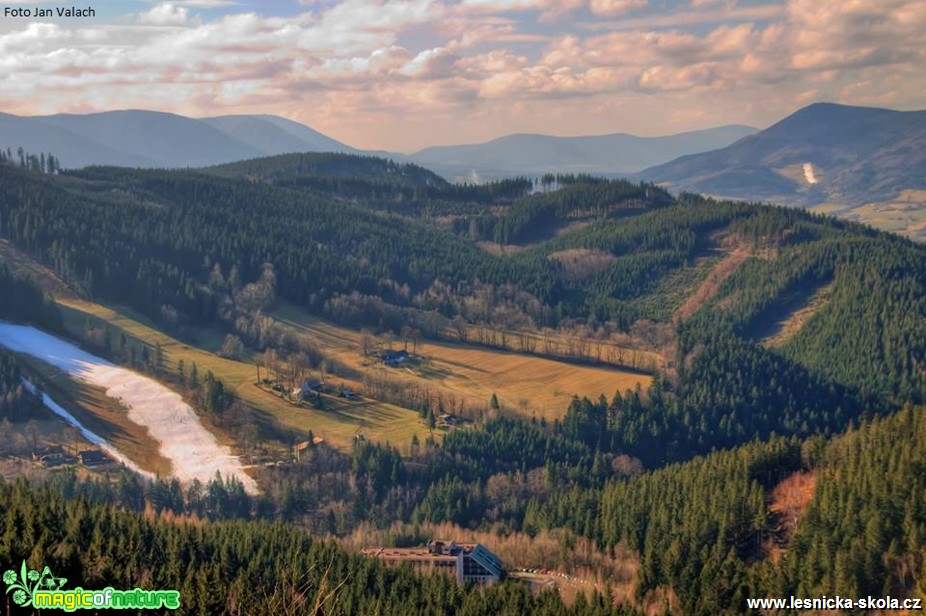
137 138
613 154
821 153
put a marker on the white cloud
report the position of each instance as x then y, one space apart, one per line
611 8
426 61
165 14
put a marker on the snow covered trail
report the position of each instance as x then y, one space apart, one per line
809 174
192 450
94 438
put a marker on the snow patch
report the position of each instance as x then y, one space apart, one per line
94 438
192 450
809 173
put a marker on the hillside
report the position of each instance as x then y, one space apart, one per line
190 250
615 154
308 168
710 476
823 153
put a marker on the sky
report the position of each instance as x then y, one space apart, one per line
401 75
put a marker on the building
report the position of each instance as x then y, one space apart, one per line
92 457
394 358
465 562
50 456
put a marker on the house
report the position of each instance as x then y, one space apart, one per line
299 448
309 390
448 419
92 457
465 562
49 456
394 358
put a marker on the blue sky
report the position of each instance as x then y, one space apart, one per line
404 74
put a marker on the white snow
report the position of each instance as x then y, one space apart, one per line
90 436
192 450
809 174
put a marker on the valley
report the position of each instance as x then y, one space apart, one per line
463 308
678 360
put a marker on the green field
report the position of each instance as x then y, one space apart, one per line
279 419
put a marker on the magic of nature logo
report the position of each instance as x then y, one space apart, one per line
43 590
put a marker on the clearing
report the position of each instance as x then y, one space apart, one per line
723 269
796 310
339 423
469 375
787 504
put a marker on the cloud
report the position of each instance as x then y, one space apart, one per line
165 14
358 66
611 8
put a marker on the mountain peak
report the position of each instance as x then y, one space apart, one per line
857 155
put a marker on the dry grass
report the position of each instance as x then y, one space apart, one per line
788 327
338 424
558 550
788 502
580 263
526 384
725 268
904 215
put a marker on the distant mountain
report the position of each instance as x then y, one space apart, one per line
154 139
616 154
74 150
275 135
823 153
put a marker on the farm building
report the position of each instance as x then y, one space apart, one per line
465 562
50 456
394 358
308 390
92 457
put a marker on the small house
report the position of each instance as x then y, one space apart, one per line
49 456
394 358
92 457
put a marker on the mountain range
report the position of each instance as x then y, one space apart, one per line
137 138
859 163
615 154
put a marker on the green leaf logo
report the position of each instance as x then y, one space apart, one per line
28 581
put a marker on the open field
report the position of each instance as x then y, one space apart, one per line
523 383
904 215
338 424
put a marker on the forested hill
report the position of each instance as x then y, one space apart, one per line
236 567
773 320
293 167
